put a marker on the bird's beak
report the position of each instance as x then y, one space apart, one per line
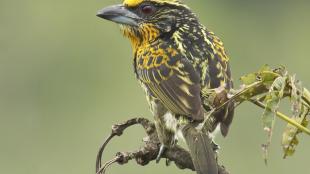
119 14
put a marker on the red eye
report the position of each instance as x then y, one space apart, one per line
147 9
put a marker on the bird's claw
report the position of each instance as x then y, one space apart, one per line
160 153
168 162
215 146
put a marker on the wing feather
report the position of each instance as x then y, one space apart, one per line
178 87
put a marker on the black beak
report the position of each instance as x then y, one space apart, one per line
120 15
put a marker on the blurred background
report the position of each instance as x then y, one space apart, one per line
66 76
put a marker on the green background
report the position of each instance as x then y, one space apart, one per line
66 76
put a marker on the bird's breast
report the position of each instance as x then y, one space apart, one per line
174 124
155 62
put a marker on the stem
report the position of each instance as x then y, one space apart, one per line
306 96
239 97
283 117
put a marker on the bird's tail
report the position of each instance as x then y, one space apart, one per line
201 150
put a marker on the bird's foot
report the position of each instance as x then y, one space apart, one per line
215 146
161 152
168 162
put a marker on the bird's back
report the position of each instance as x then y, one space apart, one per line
206 52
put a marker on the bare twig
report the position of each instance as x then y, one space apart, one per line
117 130
106 165
148 152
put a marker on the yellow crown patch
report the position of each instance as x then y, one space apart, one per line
132 3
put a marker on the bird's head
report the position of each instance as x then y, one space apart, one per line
143 21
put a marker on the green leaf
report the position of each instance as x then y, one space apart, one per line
296 95
268 77
249 79
300 112
265 67
289 137
270 86
272 101
265 74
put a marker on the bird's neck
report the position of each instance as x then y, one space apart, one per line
191 40
141 37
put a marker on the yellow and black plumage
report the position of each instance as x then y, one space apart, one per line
176 60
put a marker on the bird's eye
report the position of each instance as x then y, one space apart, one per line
147 9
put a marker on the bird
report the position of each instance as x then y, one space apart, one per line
179 63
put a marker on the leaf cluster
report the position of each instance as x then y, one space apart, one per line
266 88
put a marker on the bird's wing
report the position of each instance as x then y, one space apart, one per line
218 75
175 82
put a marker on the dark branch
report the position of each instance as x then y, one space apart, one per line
148 152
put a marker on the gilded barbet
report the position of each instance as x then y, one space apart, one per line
179 63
